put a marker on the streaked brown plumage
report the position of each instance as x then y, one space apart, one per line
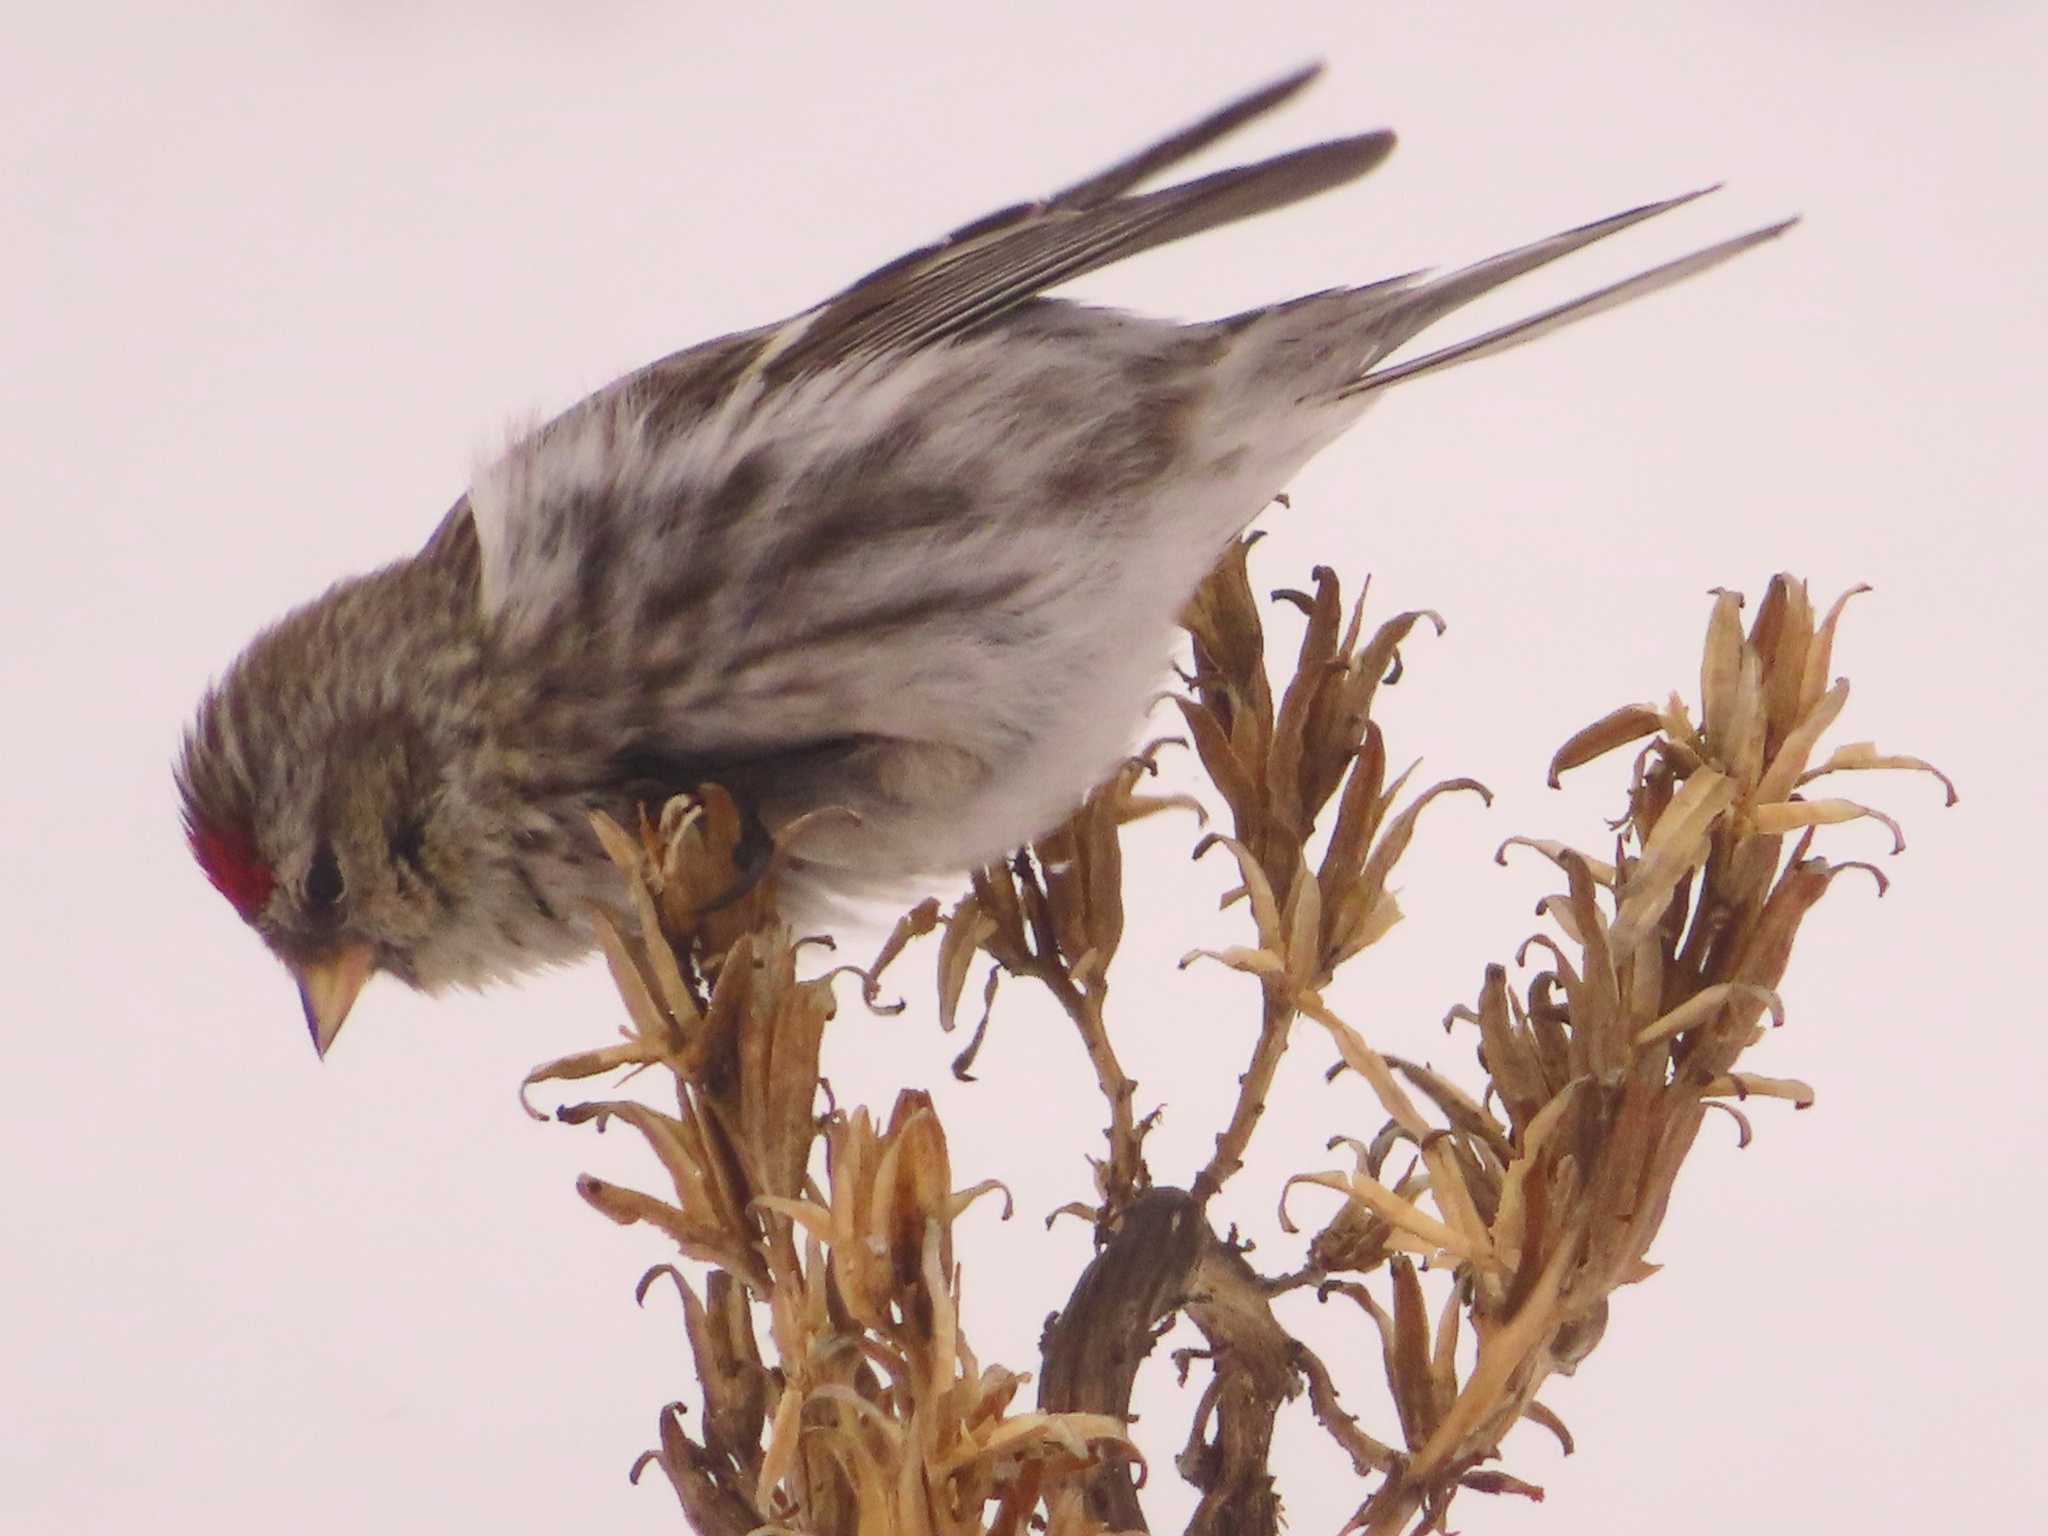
915 553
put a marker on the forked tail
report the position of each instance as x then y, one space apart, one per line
1395 312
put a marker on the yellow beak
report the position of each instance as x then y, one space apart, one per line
328 990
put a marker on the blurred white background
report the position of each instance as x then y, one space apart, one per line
275 274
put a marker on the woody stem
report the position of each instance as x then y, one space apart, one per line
1252 1089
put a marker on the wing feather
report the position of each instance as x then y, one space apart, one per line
987 268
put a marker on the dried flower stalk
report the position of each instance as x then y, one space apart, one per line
876 1414
1537 1195
1606 1063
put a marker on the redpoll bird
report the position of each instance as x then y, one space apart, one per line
915 553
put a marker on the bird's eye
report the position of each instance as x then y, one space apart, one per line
408 842
323 880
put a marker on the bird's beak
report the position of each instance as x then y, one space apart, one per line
328 989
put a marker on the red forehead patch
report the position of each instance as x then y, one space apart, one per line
230 861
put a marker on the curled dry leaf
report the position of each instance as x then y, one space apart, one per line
876 1413
1539 1195
1603 1067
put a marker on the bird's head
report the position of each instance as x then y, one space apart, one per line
329 789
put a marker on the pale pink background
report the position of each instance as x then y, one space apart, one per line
273 274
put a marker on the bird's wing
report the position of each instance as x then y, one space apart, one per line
974 275
453 543
989 267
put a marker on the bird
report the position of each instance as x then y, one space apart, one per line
913 555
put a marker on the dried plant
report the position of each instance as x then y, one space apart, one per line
1534 1197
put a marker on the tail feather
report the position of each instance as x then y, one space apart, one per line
1400 317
